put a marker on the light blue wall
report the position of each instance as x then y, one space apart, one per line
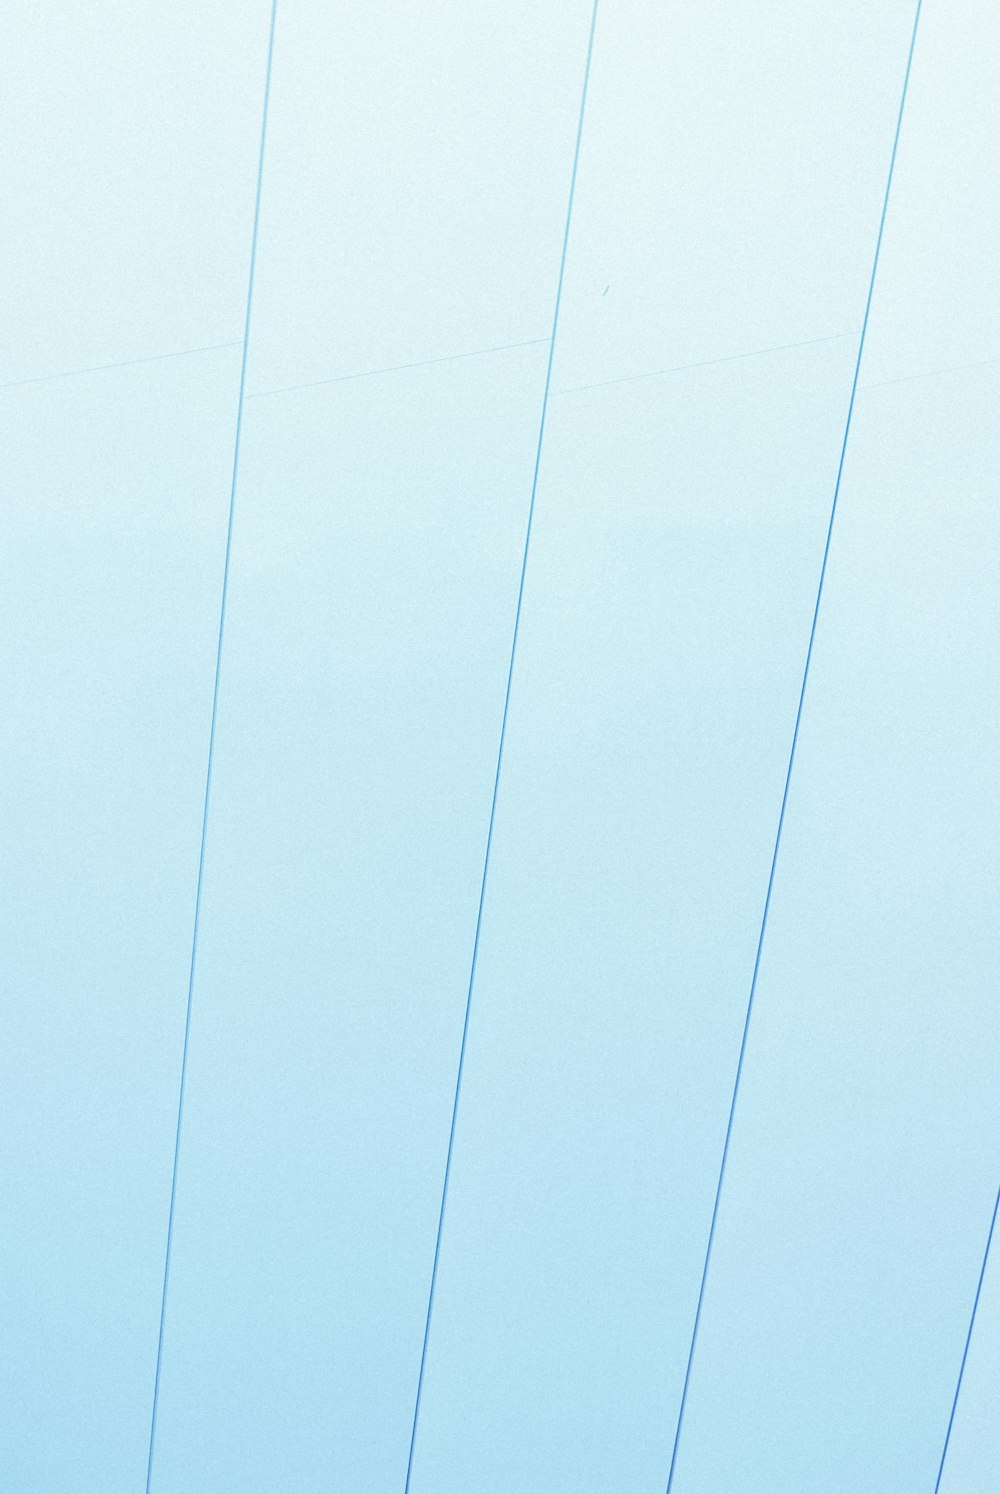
633 322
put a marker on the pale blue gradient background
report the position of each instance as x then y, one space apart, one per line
409 246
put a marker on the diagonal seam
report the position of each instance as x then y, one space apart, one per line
76 373
660 373
791 762
503 736
968 1341
211 750
373 373
932 373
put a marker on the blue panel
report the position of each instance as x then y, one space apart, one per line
128 160
116 490
378 544
866 1136
680 530
678 537
380 530
867 1132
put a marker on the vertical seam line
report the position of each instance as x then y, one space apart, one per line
968 1341
503 736
211 750
791 763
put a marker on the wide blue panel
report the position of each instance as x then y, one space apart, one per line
378 541
380 525
866 1134
116 489
678 536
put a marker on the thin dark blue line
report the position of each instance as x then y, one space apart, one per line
968 1341
791 763
503 736
211 750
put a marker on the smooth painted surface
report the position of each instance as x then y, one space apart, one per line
379 537
679 534
731 181
414 199
418 169
972 1464
866 1136
865 1144
938 275
115 498
129 149
375 572
127 162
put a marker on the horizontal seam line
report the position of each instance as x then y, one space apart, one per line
657 373
932 373
371 373
73 373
